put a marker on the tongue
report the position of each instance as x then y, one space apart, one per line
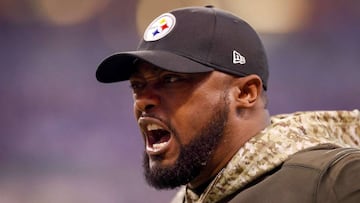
160 140
163 139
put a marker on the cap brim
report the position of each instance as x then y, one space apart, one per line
120 66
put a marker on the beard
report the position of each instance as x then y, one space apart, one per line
194 156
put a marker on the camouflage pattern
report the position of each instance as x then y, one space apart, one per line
287 134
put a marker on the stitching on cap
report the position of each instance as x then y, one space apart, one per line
212 37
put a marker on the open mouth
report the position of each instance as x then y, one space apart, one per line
157 137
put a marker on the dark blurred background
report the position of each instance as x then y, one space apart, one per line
64 137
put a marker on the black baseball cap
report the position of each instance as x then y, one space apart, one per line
193 40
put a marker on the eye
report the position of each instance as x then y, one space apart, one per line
171 78
136 85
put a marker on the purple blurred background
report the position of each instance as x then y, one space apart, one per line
64 137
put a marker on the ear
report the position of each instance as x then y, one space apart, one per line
248 91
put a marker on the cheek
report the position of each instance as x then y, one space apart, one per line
136 112
189 118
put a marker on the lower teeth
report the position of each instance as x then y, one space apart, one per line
159 145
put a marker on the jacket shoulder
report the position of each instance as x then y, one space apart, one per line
321 157
325 173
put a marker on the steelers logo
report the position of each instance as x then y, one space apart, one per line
160 27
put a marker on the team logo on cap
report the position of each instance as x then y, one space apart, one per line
160 27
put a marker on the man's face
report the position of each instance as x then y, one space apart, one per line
182 118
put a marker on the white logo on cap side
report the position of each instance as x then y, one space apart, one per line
160 27
238 58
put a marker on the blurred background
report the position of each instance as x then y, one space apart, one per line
65 138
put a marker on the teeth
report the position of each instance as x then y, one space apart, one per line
158 146
154 127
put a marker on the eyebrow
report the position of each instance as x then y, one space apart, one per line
152 70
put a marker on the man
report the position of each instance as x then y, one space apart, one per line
199 80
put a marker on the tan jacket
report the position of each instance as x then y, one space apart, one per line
267 151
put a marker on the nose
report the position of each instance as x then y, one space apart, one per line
145 101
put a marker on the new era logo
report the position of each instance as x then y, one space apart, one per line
238 58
